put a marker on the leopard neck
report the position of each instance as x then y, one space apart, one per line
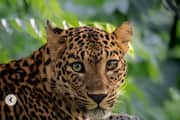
37 66
41 61
32 69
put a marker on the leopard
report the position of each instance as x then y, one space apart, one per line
75 75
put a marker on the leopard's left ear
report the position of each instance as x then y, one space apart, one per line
123 35
54 36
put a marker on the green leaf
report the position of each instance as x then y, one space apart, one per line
90 2
154 70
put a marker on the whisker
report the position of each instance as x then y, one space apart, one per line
110 99
112 95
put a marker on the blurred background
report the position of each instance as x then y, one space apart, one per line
152 88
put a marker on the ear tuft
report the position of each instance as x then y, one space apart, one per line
123 35
47 22
51 29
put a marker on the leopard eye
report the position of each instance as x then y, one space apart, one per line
111 64
78 67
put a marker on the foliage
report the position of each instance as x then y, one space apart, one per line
149 92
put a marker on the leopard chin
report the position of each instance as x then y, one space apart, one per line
98 114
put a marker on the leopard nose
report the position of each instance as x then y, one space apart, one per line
97 97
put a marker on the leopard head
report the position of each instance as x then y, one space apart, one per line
88 65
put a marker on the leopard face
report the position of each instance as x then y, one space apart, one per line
74 76
88 66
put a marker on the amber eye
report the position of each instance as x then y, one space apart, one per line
111 64
78 67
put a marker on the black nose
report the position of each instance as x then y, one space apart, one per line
97 97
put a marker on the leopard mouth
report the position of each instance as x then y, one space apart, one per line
98 113
95 113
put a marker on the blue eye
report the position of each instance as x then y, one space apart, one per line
78 67
112 64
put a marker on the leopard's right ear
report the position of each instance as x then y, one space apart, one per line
123 36
54 35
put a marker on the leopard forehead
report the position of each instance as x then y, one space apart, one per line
93 37
90 41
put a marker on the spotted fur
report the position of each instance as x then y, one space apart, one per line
74 76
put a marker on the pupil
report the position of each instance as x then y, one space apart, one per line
77 66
